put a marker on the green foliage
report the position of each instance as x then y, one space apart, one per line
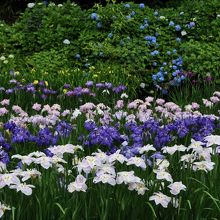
204 59
114 39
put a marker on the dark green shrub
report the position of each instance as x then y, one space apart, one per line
115 37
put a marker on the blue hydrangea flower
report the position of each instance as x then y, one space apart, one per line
154 53
174 73
178 39
133 13
174 67
142 27
183 77
145 20
141 5
77 56
99 25
94 16
177 27
150 40
110 35
171 23
191 25
161 79
127 5
154 77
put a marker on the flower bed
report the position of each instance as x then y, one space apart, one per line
149 154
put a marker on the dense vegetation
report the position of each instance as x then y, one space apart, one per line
110 112
121 43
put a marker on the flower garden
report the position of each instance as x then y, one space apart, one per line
110 112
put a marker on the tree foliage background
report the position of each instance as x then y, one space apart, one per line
10 9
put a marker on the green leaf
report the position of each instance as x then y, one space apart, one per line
152 209
61 208
13 212
189 204
213 199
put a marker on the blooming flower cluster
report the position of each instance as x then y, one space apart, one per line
110 169
118 146
40 88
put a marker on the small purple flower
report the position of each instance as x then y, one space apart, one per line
4 157
100 85
108 85
41 83
20 135
70 93
45 137
89 83
77 91
9 126
31 89
89 125
9 91
158 155
64 129
66 86
43 96
48 153
119 89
